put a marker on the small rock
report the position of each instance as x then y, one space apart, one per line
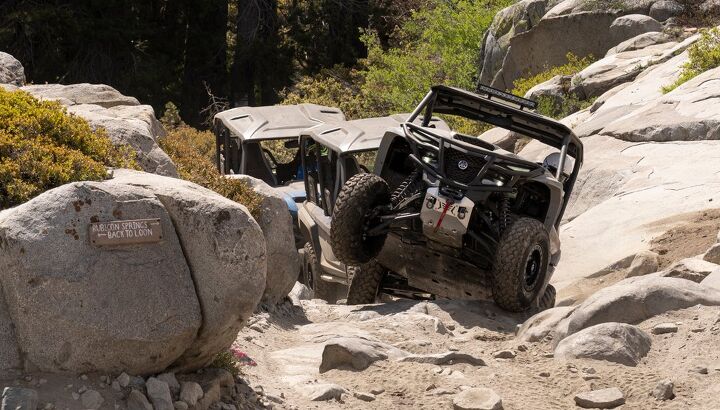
137 401
171 381
444 358
439 326
48 406
698 330
589 370
83 377
180 405
82 389
123 380
324 392
364 396
600 399
505 354
19 398
699 369
28 378
663 390
116 385
75 396
92 400
159 394
477 399
588 377
377 390
522 348
190 393
663 328
713 254
544 374
645 262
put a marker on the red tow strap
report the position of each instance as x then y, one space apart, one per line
442 216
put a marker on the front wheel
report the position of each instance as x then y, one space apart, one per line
521 265
355 211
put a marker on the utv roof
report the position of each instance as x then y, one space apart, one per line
360 135
275 122
506 111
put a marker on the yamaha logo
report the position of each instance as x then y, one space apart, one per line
462 164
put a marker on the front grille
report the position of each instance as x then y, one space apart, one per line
453 158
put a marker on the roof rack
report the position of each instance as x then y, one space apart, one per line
502 95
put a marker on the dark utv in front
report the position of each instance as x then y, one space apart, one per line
463 218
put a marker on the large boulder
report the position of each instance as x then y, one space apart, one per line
636 299
612 342
632 25
112 309
125 120
11 71
283 260
136 307
694 269
225 251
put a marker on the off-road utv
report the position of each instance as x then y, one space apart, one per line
331 154
263 142
452 216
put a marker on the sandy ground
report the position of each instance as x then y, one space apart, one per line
478 329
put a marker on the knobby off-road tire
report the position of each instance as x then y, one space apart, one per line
365 284
547 301
321 289
521 265
360 195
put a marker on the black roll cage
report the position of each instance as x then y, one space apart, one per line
500 109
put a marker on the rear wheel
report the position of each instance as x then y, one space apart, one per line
547 301
356 209
365 283
322 289
521 265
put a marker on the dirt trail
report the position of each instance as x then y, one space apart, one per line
287 346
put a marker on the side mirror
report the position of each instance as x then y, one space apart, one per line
552 162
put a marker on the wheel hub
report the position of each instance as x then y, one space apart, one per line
533 266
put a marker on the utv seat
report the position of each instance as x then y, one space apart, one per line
256 165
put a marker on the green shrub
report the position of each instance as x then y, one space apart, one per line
703 55
226 360
574 65
42 147
438 44
193 152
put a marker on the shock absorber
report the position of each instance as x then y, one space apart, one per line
404 189
504 208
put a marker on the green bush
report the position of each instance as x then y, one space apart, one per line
193 152
42 147
703 55
574 65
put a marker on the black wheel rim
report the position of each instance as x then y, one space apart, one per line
533 268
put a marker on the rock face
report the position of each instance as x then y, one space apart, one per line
532 35
11 71
283 261
612 342
124 119
225 252
643 263
137 308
